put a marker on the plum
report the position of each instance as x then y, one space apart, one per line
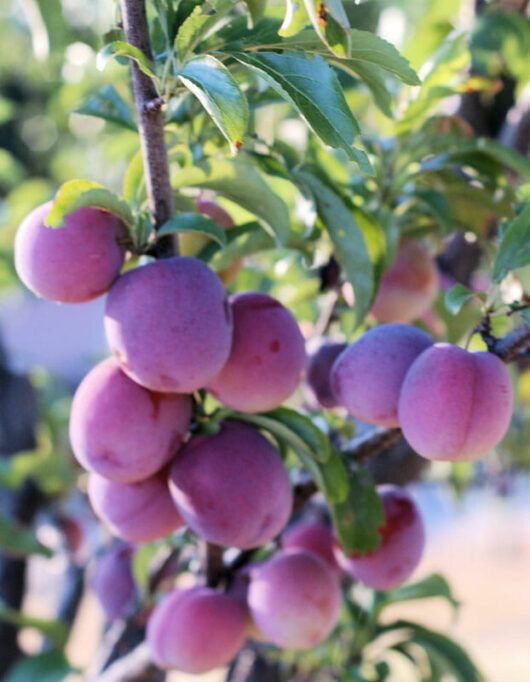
112 580
319 371
313 536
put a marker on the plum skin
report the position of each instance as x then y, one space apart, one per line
169 324
232 488
313 536
367 377
295 599
402 543
196 630
455 405
72 264
319 371
136 512
112 581
268 358
122 430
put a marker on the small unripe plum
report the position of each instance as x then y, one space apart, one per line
409 287
313 536
112 581
190 243
319 371
455 405
402 542
122 430
136 512
295 599
196 630
232 488
169 324
71 264
366 378
268 358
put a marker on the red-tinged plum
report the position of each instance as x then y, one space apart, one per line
196 630
455 405
268 358
366 378
401 548
319 371
239 590
136 512
112 581
313 536
295 599
72 264
122 430
169 324
409 287
232 488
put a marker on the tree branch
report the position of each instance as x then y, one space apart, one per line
510 346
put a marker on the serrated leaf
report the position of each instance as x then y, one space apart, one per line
18 541
331 24
215 88
358 517
456 297
370 48
434 585
312 436
56 630
348 239
296 18
108 105
50 666
244 185
514 249
372 77
76 194
198 23
193 222
313 88
119 48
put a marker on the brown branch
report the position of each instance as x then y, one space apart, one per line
366 445
214 566
151 125
510 346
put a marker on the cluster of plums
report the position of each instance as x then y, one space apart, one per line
172 331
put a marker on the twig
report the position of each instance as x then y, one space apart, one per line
511 345
367 445
214 566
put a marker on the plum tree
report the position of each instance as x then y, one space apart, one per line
366 378
122 430
268 358
319 372
112 580
169 324
295 599
455 405
136 512
409 287
72 264
402 542
232 487
196 630
313 536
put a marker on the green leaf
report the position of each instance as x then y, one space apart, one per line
244 185
434 585
134 178
215 88
503 155
313 88
76 194
118 48
331 24
296 18
50 666
372 77
305 429
456 297
256 10
348 239
358 517
252 241
371 49
193 222
514 250
19 541
53 629
108 104
198 24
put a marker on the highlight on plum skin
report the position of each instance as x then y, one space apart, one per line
232 488
136 512
196 630
295 599
268 358
409 287
122 430
401 548
112 580
313 536
455 405
319 372
367 377
169 324
71 264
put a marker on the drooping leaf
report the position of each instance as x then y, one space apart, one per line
303 426
243 184
215 88
118 48
193 222
49 666
434 585
56 630
369 48
456 297
19 541
108 104
256 10
331 24
198 24
372 77
514 249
